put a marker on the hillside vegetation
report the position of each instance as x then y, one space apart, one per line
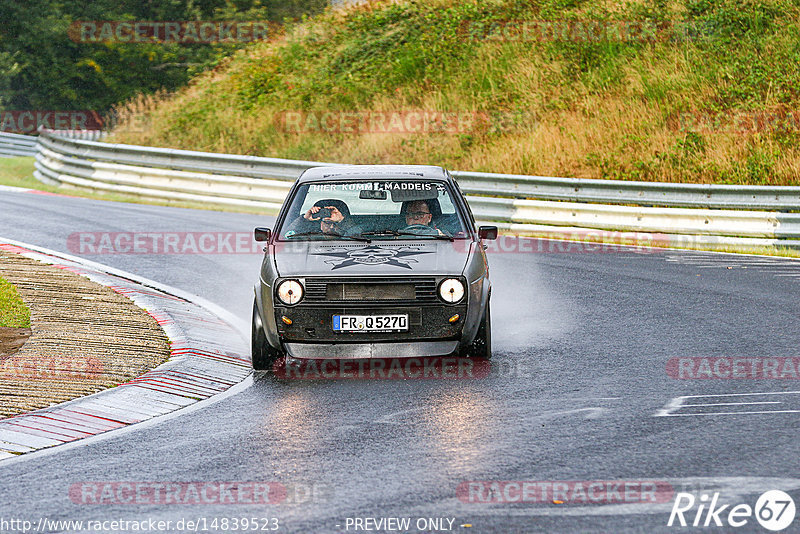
706 92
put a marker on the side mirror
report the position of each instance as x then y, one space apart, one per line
487 232
262 234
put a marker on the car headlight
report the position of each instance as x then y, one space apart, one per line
290 291
451 290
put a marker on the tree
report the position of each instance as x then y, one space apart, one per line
42 68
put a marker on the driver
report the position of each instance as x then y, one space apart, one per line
418 213
338 222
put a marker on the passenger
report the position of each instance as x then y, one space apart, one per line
338 222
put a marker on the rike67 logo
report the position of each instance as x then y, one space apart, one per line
774 510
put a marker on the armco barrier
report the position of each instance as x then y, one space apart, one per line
747 197
15 145
679 209
732 223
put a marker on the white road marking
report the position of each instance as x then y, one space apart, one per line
791 270
677 403
729 403
14 189
764 264
744 394
728 413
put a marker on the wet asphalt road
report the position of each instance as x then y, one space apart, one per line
582 341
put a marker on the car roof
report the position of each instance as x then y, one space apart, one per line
333 173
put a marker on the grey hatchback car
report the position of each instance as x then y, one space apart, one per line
373 261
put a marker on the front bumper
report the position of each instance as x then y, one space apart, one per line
357 351
427 325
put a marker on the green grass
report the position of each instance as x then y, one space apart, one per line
590 109
18 172
13 312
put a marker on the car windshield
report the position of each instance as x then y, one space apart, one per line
373 209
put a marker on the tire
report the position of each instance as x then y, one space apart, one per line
481 346
262 353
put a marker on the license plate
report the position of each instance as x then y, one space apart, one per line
370 323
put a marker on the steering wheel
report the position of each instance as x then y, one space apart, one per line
420 229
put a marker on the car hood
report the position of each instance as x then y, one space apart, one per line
382 258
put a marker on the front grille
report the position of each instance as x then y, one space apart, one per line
371 292
415 290
315 290
425 290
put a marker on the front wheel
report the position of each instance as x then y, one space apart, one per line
262 353
481 346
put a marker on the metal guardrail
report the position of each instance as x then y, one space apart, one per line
87 135
631 192
16 145
689 221
166 173
184 160
506 199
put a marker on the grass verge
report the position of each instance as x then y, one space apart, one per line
13 311
708 94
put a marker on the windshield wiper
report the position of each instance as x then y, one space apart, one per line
389 231
437 235
331 234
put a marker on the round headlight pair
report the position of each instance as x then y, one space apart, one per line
451 290
290 292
